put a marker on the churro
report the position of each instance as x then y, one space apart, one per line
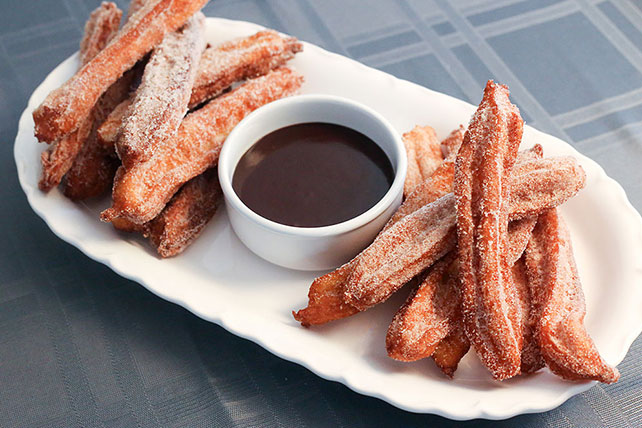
558 304
141 192
186 214
240 59
59 157
67 107
481 186
424 156
161 99
452 348
531 358
424 319
93 169
450 145
433 310
109 131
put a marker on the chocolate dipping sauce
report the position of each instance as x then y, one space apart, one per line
312 174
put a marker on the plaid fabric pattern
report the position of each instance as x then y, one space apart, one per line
80 346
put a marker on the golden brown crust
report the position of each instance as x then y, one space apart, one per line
68 106
109 130
450 145
141 192
452 348
93 169
558 307
59 157
186 214
531 357
425 318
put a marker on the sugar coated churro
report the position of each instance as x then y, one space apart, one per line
558 304
161 99
424 156
59 157
240 59
68 106
186 214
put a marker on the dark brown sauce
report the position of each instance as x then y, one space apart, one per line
312 174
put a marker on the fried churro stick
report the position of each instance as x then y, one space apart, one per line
452 348
135 6
240 59
558 305
424 156
58 158
67 107
109 131
531 358
481 185
220 67
450 145
141 192
425 318
161 99
564 178
92 172
101 26
186 214
432 311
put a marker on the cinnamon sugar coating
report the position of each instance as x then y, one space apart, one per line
425 318
557 304
239 59
93 169
433 311
424 156
531 357
481 185
186 214
67 107
59 157
100 28
141 192
161 99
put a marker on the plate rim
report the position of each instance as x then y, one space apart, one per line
225 320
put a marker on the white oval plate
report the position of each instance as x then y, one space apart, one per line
219 280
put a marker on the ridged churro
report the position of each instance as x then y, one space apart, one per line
424 156
558 305
481 186
67 107
58 158
240 59
186 214
161 99
141 192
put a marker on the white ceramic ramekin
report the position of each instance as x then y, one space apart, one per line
310 248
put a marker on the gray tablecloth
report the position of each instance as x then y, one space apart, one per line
80 346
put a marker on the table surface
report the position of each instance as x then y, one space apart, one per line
80 346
